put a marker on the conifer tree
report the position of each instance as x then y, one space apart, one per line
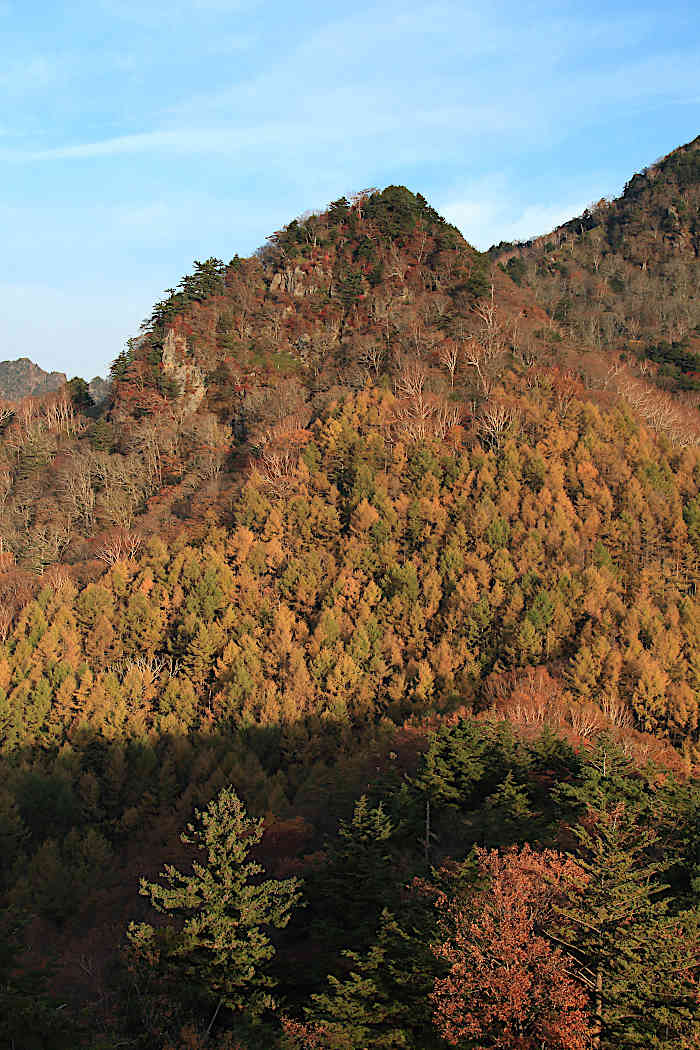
384 999
507 815
360 877
637 959
221 944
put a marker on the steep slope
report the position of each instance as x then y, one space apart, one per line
330 299
22 378
624 276
359 520
367 375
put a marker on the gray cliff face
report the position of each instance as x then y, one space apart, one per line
299 282
188 376
22 378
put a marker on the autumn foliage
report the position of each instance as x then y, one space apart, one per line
508 987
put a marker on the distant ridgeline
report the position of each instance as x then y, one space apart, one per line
22 378
624 275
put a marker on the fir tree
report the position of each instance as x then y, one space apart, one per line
636 959
221 946
383 1000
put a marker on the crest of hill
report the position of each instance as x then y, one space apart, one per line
236 365
22 378
624 275
324 294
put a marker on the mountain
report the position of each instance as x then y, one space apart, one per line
624 275
22 378
367 542
369 365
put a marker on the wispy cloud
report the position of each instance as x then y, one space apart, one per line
158 130
486 212
368 121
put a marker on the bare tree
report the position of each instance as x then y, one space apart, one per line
372 357
496 422
78 491
491 332
119 546
5 623
449 359
419 415
475 356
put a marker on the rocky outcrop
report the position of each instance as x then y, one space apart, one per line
22 378
99 389
299 282
187 375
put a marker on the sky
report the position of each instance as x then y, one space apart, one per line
139 135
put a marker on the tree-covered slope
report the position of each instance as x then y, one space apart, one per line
367 539
624 275
361 574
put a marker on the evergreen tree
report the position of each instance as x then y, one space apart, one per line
634 956
28 1017
384 999
220 947
507 814
360 877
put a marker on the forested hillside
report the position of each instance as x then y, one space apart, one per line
390 573
624 275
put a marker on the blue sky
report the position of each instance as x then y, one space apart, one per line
136 136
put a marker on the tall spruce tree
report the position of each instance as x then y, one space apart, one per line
359 880
220 945
636 958
383 1000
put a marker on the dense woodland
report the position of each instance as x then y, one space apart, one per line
350 651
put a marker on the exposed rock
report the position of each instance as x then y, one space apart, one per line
22 378
188 376
298 282
99 389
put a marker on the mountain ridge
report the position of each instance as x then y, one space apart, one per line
369 541
623 275
23 378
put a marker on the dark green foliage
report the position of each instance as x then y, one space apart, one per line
632 954
349 288
221 948
384 999
29 1018
677 362
207 280
360 872
121 364
516 269
80 393
395 211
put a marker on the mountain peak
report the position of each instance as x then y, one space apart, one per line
23 378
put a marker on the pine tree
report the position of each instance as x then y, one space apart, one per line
384 999
360 877
507 814
28 1017
222 944
636 959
